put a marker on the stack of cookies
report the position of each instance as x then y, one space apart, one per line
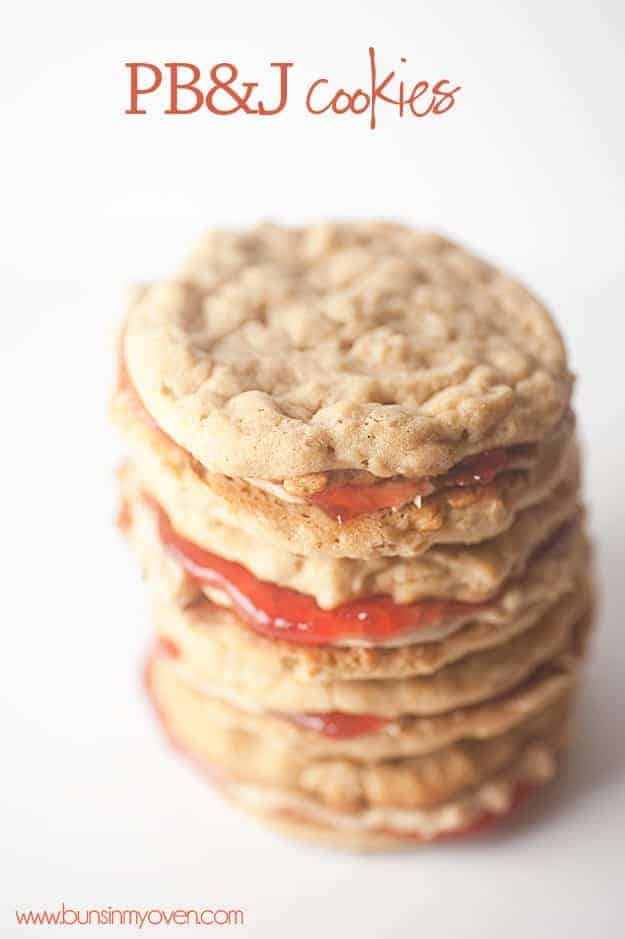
354 490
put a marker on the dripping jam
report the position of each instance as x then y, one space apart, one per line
345 502
336 724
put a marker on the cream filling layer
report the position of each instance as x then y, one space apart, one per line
536 767
275 489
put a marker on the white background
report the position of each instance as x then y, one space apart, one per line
528 170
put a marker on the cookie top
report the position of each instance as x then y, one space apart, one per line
279 352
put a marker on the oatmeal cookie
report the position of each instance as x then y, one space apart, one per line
469 574
335 781
276 353
468 515
223 668
370 738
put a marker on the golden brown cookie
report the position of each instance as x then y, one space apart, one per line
368 821
369 738
466 574
278 353
474 814
554 574
224 668
340 783
354 492
467 514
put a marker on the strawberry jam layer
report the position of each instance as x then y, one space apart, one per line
344 502
283 613
166 648
336 724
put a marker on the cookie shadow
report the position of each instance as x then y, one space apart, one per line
596 759
597 756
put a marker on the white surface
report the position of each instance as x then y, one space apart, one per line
527 169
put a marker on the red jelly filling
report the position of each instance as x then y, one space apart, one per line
478 470
166 648
336 724
345 502
124 517
283 613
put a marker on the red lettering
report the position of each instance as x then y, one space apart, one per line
175 85
228 94
283 66
311 90
447 96
376 90
135 90
359 93
339 108
226 87
419 89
